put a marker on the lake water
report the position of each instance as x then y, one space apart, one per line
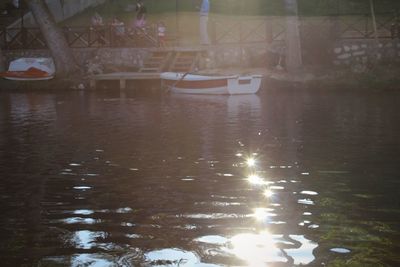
282 178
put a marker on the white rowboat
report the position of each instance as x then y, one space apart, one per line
189 83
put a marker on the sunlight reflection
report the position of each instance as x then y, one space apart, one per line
85 239
83 212
251 162
304 254
93 259
79 220
305 201
268 193
173 255
263 214
255 249
260 214
82 187
311 193
277 187
256 180
212 239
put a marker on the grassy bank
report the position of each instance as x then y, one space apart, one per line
250 7
378 78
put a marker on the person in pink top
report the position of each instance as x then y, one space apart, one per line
141 11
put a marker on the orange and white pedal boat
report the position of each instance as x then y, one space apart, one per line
30 69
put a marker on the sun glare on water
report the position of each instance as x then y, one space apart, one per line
255 249
255 179
251 162
268 193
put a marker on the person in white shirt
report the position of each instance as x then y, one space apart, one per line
16 3
161 32
204 10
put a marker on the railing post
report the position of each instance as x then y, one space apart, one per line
111 36
240 32
64 30
5 37
334 24
90 36
213 32
268 30
23 38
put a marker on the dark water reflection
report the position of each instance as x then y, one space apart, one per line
103 179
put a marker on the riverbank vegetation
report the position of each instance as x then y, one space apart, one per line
260 7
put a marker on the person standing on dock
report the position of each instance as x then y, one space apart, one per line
141 11
118 30
98 28
204 10
161 31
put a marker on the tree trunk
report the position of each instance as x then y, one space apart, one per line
293 45
55 39
2 61
372 7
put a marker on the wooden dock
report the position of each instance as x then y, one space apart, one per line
157 62
122 77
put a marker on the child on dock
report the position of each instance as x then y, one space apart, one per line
118 28
98 28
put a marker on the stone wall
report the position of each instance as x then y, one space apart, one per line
93 60
97 60
100 60
107 59
350 52
235 56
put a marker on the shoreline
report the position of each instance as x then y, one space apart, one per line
376 78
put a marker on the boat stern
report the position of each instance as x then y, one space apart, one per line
244 84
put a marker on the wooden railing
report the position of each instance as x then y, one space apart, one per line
79 37
352 27
259 30
333 27
247 31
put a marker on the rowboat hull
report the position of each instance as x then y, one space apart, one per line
13 78
206 84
